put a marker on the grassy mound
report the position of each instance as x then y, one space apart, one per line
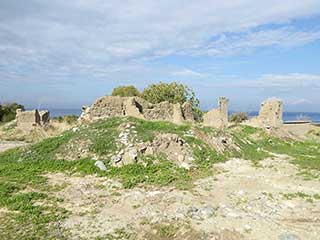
30 212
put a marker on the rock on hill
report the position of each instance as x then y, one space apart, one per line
128 178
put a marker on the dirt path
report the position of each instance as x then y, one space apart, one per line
242 201
5 145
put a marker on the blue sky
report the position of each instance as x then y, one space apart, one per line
65 54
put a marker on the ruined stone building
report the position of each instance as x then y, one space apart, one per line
270 114
113 106
44 117
217 118
27 120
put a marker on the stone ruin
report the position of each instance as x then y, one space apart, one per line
270 114
217 118
114 106
28 120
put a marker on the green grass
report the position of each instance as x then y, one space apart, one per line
147 130
20 171
167 231
24 168
306 154
118 234
301 195
103 135
162 174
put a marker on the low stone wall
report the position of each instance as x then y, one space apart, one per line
28 120
270 114
217 118
114 106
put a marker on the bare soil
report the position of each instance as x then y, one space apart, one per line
241 201
5 145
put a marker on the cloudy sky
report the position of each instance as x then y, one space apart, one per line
66 53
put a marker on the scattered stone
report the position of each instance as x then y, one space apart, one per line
100 165
149 151
247 228
180 158
130 157
185 165
241 192
75 129
143 149
201 213
224 140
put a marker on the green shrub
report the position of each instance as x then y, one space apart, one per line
125 91
173 93
8 111
70 119
238 117
59 119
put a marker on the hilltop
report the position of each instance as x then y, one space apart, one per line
152 165
135 169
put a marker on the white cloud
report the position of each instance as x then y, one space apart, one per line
78 44
104 33
246 42
187 73
300 101
276 81
292 80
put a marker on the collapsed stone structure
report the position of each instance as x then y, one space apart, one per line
114 106
44 117
217 118
270 114
27 120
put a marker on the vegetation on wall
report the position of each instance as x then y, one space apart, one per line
126 91
238 117
155 93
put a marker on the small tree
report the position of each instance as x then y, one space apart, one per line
8 111
125 91
238 117
173 93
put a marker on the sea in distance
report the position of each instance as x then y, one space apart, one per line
287 116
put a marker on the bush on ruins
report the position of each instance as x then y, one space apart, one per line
126 91
160 92
238 117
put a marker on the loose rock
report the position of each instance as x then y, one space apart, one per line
100 165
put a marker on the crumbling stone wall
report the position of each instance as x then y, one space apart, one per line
188 112
270 114
113 106
44 117
161 111
105 107
27 120
217 118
